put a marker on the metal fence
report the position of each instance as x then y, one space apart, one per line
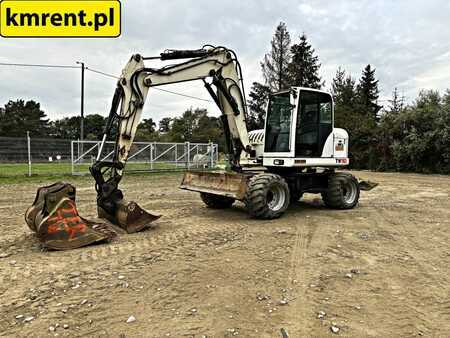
33 156
147 156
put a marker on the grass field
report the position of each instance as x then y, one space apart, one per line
48 169
18 172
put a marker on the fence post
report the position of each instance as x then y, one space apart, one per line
187 153
71 156
176 155
29 153
151 155
78 149
211 147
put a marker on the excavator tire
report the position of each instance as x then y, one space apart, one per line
343 191
216 201
267 196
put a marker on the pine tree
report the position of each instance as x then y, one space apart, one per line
343 88
368 92
259 96
396 103
304 66
276 62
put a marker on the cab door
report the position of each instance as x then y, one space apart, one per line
314 123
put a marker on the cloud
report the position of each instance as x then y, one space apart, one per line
407 42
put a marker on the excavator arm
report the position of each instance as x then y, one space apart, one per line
220 71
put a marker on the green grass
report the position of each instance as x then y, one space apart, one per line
41 172
21 169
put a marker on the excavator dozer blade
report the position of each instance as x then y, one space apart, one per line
129 216
55 219
367 185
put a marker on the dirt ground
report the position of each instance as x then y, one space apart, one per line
379 270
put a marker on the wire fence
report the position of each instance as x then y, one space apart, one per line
147 156
21 156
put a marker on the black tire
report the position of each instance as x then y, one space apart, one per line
216 201
342 192
267 196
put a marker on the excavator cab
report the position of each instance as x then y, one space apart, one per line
299 130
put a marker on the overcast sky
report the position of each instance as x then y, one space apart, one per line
408 42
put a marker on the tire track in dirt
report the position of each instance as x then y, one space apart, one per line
298 278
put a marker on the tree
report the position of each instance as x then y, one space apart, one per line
390 132
69 127
164 124
196 126
304 66
368 92
362 130
146 130
183 127
396 103
275 64
343 89
94 126
259 97
18 117
147 125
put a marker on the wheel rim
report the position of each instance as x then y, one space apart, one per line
349 191
276 198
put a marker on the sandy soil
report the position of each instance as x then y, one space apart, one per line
379 270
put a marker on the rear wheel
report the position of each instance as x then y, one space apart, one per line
216 201
267 196
342 192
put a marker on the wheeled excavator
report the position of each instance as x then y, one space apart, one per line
297 152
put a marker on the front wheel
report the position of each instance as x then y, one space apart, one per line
267 196
342 192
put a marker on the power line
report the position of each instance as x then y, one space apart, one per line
175 93
98 72
101 73
162 90
36 65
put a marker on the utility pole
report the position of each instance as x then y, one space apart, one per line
82 106
82 101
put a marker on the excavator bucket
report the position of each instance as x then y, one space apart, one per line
129 216
55 219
